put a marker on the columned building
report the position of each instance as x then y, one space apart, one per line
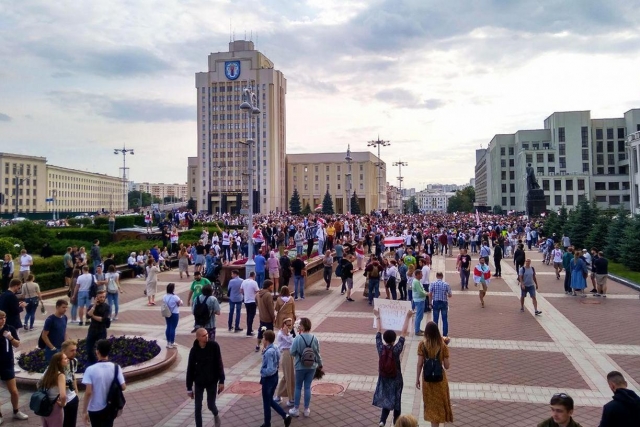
222 165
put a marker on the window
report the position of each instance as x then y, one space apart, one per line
600 159
569 199
504 201
547 200
338 186
536 146
327 168
502 151
316 168
585 154
552 169
557 185
504 188
545 184
611 159
614 200
614 186
611 170
584 133
540 170
620 133
551 158
609 133
609 146
626 198
503 163
316 187
569 185
327 186
558 200
599 171
503 175
599 147
581 185
512 175
562 149
561 137
511 151
361 177
600 186
512 188
338 177
327 179
525 146
361 168
512 200
621 146
511 163
563 162
529 158
539 157
598 133
316 178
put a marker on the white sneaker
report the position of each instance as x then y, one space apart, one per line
307 412
294 412
20 416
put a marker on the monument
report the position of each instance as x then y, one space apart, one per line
536 202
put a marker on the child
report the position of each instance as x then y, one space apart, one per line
269 379
388 392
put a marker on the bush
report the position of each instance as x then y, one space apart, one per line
75 222
85 234
7 246
125 352
33 235
100 221
124 222
53 264
48 281
59 246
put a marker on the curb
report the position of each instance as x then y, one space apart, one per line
625 282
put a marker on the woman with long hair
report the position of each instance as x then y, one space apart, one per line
173 302
183 262
55 383
435 395
152 281
304 372
285 307
579 273
113 290
33 297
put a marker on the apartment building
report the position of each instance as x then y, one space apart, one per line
161 190
433 201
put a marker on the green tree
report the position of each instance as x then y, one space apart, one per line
295 207
462 201
355 204
597 237
306 210
563 216
497 209
147 199
191 205
551 223
327 204
615 235
629 244
411 206
579 224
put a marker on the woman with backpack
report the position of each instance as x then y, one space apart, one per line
433 361
113 290
54 384
173 302
306 353
388 392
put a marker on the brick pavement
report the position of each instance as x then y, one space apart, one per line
505 364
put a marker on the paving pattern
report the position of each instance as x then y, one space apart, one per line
505 365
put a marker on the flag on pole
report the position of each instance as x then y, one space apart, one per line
477 217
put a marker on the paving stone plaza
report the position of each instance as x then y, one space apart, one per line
505 364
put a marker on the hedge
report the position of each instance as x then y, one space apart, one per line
85 234
7 246
48 265
48 281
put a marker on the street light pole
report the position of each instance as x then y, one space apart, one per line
124 151
400 164
379 143
19 177
348 159
250 107
218 166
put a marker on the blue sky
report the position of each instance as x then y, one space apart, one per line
436 78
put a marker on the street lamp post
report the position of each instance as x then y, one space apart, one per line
400 164
124 151
54 193
250 106
19 179
348 159
218 166
379 143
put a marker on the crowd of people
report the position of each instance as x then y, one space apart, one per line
291 357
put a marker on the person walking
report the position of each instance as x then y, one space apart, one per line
497 257
113 290
99 315
31 294
388 393
7 272
54 382
402 286
70 349
235 300
54 331
566 265
82 293
273 267
249 289
266 312
306 352
173 302
419 296
299 273
213 306
463 265
205 372
482 277
97 379
269 379
528 285
9 340
579 272
624 409
151 281
601 267
183 260
435 395
284 341
440 291
373 272
556 256
327 264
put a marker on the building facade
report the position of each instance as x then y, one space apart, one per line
574 157
312 174
394 199
433 201
633 150
177 192
222 159
47 188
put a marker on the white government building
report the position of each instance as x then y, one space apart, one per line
574 156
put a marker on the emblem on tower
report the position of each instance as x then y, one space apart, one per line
232 69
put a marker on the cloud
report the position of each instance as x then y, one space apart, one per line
403 98
4 118
124 109
303 81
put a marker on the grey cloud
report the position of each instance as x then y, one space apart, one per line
124 109
4 118
403 98
306 81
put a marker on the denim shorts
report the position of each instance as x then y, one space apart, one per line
84 300
531 290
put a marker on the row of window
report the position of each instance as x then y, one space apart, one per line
19 169
21 192
568 186
317 187
25 181
624 185
327 178
327 168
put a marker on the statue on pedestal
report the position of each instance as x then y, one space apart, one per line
532 182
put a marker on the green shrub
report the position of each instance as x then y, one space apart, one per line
59 246
74 222
33 235
52 280
124 222
7 246
100 221
47 265
85 234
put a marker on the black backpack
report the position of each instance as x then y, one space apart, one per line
432 368
308 357
115 397
201 312
387 365
40 403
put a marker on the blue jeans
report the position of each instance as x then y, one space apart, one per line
237 307
298 286
299 250
31 308
441 307
303 376
464 278
269 385
112 300
260 279
374 289
74 311
172 324
419 315
48 353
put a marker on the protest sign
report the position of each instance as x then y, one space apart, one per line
392 313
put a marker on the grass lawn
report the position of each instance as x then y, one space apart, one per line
622 271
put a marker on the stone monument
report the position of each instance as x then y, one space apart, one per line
536 202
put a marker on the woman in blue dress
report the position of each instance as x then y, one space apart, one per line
578 274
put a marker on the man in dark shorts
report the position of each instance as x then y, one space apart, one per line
68 266
8 340
266 310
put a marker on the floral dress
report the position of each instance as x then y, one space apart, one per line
388 392
435 396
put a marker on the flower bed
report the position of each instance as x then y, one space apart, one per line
125 351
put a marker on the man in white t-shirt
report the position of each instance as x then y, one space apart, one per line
25 265
556 255
83 297
424 281
97 379
249 289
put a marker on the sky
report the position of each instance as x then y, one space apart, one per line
437 79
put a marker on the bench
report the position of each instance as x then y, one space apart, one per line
125 271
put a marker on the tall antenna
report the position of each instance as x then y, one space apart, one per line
256 45
251 36
229 30
245 34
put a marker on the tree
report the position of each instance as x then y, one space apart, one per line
191 205
295 206
629 244
306 210
411 206
551 223
327 204
563 216
462 201
497 209
615 235
597 237
147 199
355 204
579 224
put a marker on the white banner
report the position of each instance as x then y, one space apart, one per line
392 313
